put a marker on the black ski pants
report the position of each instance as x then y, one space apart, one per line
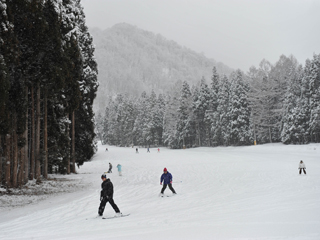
303 171
170 187
103 204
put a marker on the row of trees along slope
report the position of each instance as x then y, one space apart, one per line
48 81
133 60
271 103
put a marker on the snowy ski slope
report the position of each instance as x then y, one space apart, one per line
252 192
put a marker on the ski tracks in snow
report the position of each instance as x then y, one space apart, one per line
222 193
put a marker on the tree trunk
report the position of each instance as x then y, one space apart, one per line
45 138
8 161
14 139
25 148
270 138
37 143
1 159
73 144
68 157
32 160
254 134
21 167
199 134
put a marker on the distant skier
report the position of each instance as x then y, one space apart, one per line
302 166
106 195
137 150
106 149
110 168
166 178
148 150
119 169
158 150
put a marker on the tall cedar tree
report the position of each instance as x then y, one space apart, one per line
8 61
18 11
84 115
53 80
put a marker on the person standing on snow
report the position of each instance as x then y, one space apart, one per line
110 168
119 169
106 195
302 166
166 178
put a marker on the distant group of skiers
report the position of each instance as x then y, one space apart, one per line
118 166
148 150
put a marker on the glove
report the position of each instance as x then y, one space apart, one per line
170 182
101 198
161 183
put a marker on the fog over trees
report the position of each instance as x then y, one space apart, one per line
132 60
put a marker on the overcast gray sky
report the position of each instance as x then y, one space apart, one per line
239 33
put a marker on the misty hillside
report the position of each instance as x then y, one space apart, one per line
131 60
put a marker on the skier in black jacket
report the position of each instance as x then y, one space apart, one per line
106 195
110 168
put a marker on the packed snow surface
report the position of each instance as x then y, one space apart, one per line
252 192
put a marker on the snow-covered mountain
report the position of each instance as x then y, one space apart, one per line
132 60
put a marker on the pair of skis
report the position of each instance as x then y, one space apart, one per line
122 215
165 195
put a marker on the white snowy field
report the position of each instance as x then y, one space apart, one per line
238 193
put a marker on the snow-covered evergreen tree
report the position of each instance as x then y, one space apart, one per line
84 115
314 87
212 116
149 126
140 126
221 132
185 124
43 92
201 104
297 112
158 116
239 111
170 134
215 82
7 56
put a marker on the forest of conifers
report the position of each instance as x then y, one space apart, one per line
48 81
272 103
